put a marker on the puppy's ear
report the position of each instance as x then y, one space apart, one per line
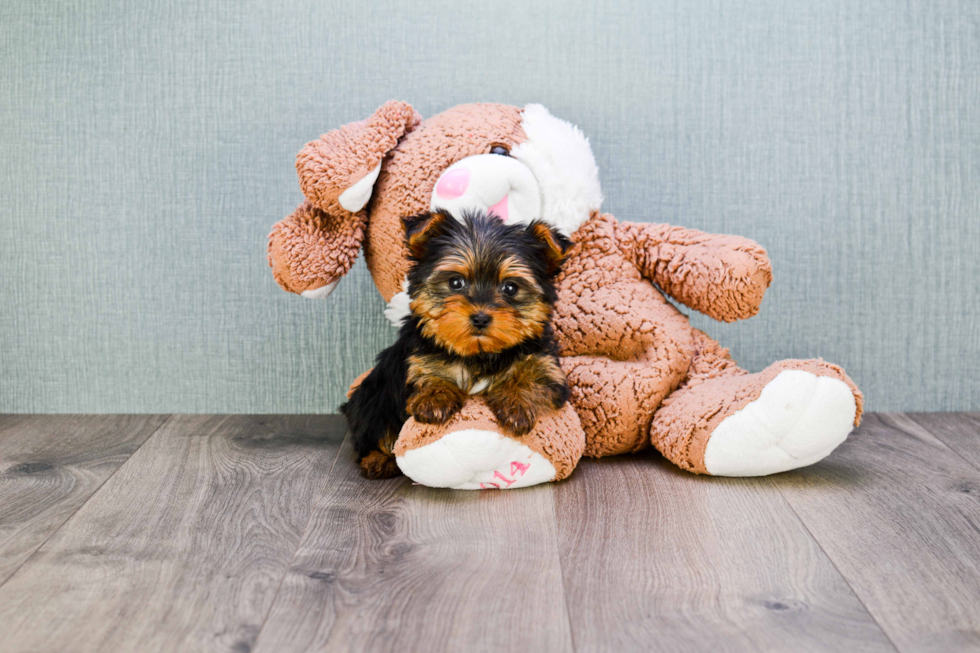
420 228
553 245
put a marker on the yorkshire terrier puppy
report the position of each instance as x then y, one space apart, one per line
482 295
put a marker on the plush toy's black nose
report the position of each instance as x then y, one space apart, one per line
480 320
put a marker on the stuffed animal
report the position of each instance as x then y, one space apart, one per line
639 373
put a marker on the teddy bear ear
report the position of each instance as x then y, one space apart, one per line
338 170
420 228
554 245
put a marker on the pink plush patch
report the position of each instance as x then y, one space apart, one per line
453 184
500 209
516 468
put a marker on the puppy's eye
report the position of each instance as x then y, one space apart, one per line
500 149
457 283
509 288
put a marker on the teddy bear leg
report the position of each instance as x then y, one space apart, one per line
726 422
471 452
616 400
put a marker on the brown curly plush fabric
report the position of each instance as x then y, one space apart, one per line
339 159
624 346
723 277
638 371
319 242
312 248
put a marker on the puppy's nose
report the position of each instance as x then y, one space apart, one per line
480 320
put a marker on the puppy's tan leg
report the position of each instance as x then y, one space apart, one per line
529 388
436 401
436 396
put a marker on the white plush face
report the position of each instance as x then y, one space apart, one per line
495 183
552 176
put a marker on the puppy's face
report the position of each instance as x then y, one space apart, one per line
479 286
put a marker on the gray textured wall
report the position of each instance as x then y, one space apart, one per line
146 148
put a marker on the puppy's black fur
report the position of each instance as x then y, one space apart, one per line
442 345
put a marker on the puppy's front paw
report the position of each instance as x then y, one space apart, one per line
435 405
515 416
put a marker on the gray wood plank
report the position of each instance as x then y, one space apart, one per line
390 566
898 513
656 559
50 465
183 548
958 431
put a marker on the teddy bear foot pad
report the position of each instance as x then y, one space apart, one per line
798 419
476 459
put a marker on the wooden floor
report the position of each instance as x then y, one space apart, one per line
249 533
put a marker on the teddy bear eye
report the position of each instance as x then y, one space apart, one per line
509 288
500 149
457 283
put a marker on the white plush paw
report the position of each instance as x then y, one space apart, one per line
320 293
356 197
798 419
475 459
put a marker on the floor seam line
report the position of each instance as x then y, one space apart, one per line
561 567
302 538
942 440
84 503
834 565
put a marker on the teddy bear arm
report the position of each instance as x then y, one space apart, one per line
724 277
310 250
337 171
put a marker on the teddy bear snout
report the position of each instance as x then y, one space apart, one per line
497 184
